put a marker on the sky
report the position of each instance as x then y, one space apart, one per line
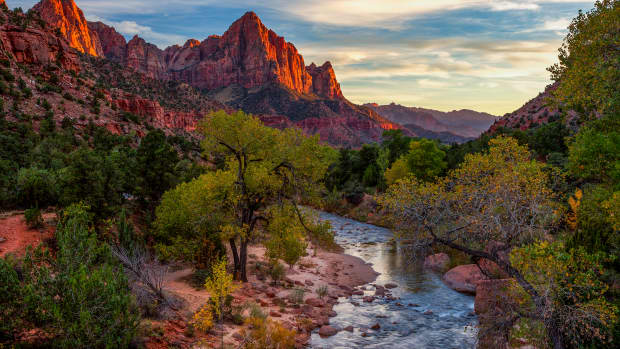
485 55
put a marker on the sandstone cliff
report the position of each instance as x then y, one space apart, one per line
69 19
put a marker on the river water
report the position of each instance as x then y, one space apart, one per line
451 324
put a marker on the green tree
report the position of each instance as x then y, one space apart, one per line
399 170
396 143
155 167
81 296
425 160
491 204
588 71
36 187
264 167
594 155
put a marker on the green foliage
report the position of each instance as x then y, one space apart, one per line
155 167
276 272
399 170
595 153
11 299
36 187
572 282
79 297
594 231
425 160
588 70
286 236
33 217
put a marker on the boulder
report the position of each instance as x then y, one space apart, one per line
327 331
437 262
315 302
368 299
391 285
349 328
464 278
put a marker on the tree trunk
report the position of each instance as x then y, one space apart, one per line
235 253
243 260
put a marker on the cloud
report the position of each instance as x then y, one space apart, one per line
131 28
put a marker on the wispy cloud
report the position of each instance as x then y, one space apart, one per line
131 28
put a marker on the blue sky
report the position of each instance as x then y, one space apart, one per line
486 55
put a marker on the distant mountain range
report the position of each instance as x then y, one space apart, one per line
248 67
456 126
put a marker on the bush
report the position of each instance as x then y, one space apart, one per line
95 308
33 217
267 334
11 302
297 296
276 272
321 291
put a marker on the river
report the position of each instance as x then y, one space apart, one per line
450 325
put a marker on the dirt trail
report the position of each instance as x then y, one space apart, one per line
15 235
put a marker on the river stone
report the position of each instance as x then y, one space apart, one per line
376 326
391 285
327 331
464 278
349 328
315 302
368 299
437 262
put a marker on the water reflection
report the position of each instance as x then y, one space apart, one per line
427 314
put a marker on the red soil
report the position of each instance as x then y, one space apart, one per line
15 235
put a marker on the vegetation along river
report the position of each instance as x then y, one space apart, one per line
425 314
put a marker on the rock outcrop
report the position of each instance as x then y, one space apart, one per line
113 44
464 278
70 20
35 45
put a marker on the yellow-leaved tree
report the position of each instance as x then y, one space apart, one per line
266 174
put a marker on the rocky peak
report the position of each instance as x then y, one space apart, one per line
324 81
112 43
145 57
191 43
69 19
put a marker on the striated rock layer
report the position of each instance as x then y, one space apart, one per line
69 19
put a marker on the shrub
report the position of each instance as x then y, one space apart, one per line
203 318
33 217
276 272
96 308
11 302
321 291
297 296
267 334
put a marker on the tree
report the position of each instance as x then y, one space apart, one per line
399 170
264 167
594 154
588 72
80 296
155 167
220 286
36 187
491 204
425 160
396 143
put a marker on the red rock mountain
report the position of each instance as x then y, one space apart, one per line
66 16
249 67
247 54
